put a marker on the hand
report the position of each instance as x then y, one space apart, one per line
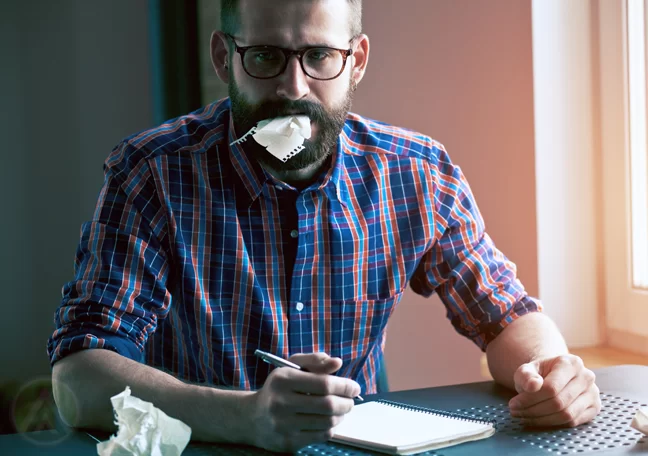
297 408
557 391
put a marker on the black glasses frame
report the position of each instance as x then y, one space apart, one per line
289 53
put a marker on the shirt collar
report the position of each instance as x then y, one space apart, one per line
339 175
254 177
251 174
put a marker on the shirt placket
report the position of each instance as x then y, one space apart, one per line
300 237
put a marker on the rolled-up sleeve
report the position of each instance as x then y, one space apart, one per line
119 291
475 281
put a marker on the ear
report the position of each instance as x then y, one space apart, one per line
219 46
360 57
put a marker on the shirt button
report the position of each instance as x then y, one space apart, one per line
278 187
299 306
294 234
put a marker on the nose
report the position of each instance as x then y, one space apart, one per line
293 83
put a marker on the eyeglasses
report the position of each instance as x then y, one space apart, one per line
266 62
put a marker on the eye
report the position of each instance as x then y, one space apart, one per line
262 55
318 55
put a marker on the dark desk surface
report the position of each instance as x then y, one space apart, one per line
623 390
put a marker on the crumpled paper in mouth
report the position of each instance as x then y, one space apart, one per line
283 136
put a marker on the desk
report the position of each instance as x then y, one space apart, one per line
623 389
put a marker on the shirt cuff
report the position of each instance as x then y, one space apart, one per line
97 338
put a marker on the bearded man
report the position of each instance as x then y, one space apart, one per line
276 220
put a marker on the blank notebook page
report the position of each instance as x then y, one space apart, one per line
377 425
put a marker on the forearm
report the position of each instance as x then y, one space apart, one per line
530 337
85 381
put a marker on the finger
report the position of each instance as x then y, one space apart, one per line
298 422
563 370
579 385
327 385
320 363
313 422
560 371
582 410
527 378
319 405
292 380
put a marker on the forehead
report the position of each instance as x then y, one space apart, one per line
294 23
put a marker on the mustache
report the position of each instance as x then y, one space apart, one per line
280 108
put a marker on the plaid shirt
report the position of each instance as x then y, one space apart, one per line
195 256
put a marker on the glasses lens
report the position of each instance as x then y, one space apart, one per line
263 62
323 63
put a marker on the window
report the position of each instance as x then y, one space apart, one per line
636 35
622 42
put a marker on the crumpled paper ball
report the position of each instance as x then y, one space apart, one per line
640 420
143 430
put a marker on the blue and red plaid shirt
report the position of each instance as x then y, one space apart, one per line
195 256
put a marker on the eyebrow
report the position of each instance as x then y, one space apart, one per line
260 43
316 45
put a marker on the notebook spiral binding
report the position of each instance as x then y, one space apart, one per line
431 411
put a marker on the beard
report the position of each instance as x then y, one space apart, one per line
317 149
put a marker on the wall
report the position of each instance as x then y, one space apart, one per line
14 245
569 166
77 81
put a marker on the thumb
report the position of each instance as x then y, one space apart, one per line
527 378
318 363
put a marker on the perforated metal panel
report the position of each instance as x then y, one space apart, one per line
610 429
334 449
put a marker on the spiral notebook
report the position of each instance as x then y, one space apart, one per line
395 428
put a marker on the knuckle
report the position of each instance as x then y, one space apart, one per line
328 384
330 421
590 376
573 423
278 377
531 422
576 360
349 388
560 402
551 389
328 404
348 406
566 416
274 408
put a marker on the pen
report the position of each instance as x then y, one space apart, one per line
280 362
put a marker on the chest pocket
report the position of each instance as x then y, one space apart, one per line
357 326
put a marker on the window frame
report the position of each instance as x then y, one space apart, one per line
626 307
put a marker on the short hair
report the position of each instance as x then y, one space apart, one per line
230 20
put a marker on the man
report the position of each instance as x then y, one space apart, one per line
205 247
